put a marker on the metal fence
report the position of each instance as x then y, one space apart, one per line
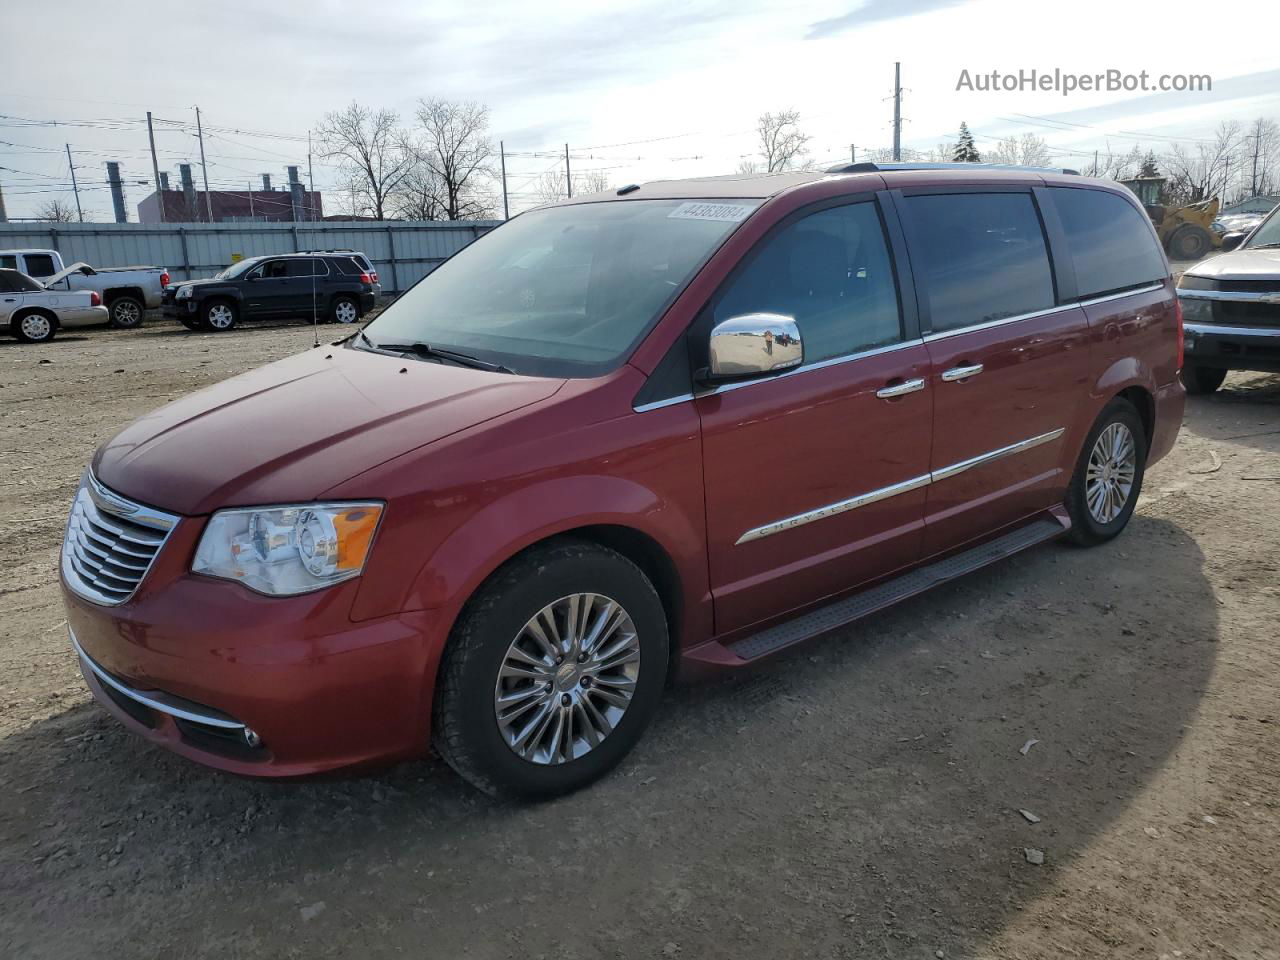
401 251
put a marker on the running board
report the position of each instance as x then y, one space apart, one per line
843 612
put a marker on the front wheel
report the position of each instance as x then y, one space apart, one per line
552 673
1189 242
218 315
1108 477
126 313
34 328
1200 380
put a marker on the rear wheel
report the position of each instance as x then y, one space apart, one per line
1108 477
344 310
218 315
552 672
1190 242
126 312
34 327
1200 380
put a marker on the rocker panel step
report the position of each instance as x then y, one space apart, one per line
844 612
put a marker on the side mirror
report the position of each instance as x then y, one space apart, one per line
1232 240
753 344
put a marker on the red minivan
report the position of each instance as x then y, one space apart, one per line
677 426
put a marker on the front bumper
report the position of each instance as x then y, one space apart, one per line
178 308
191 663
71 317
1232 347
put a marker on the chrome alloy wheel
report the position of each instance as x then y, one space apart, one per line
1113 463
36 326
127 313
346 312
221 316
567 678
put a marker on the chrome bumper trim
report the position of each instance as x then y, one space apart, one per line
1202 329
157 701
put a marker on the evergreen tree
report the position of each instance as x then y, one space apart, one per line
1149 166
966 151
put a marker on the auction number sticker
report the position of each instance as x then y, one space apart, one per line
726 212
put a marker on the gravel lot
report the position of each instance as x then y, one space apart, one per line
859 798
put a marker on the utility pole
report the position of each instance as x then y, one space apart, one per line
1257 146
74 186
502 153
1095 163
208 200
568 177
897 112
853 153
155 167
4 217
250 183
311 183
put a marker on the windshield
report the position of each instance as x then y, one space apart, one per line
564 291
236 269
1267 235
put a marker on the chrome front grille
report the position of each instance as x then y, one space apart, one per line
110 543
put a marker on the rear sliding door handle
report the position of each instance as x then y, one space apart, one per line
961 373
900 389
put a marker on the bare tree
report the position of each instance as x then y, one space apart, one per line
57 211
1115 166
453 145
1028 150
783 146
549 187
370 147
1200 172
419 195
1261 156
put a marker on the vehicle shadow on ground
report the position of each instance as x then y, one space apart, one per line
859 797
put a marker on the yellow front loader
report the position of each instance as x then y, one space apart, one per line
1186 232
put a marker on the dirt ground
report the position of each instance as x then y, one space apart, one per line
860 798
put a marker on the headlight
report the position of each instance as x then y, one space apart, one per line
1196 310
288 550
184 293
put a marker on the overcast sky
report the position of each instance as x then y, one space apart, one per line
644 90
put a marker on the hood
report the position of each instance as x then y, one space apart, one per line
291 430
1243 264
78 267
195 283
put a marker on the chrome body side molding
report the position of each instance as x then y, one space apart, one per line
884 493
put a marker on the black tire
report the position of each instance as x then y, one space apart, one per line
465 727
213 318
34 326
1086 529
127 312
1189 242
344 310
1200 380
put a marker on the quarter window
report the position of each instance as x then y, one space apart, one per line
1111 244
832 274
979 257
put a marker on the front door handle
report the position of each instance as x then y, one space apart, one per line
900 389
961 373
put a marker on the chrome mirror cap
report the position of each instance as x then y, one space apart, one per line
753 344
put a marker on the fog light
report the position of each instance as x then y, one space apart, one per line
252 738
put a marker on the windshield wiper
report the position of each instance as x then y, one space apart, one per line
428 352
1262 246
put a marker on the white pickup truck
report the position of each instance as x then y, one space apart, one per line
126 292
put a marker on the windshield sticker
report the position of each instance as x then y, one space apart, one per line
726 212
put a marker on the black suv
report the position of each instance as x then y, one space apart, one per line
335 287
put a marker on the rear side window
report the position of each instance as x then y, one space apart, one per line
11 281
979 257
8 262
831 273
40 265
305 267
1110 242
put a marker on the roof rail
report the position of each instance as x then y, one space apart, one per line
868 166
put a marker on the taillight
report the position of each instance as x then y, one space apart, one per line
368 277
375 276
164 279
94 299
1182 343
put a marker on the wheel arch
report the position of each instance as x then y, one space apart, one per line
27 311
111 294
1145 403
